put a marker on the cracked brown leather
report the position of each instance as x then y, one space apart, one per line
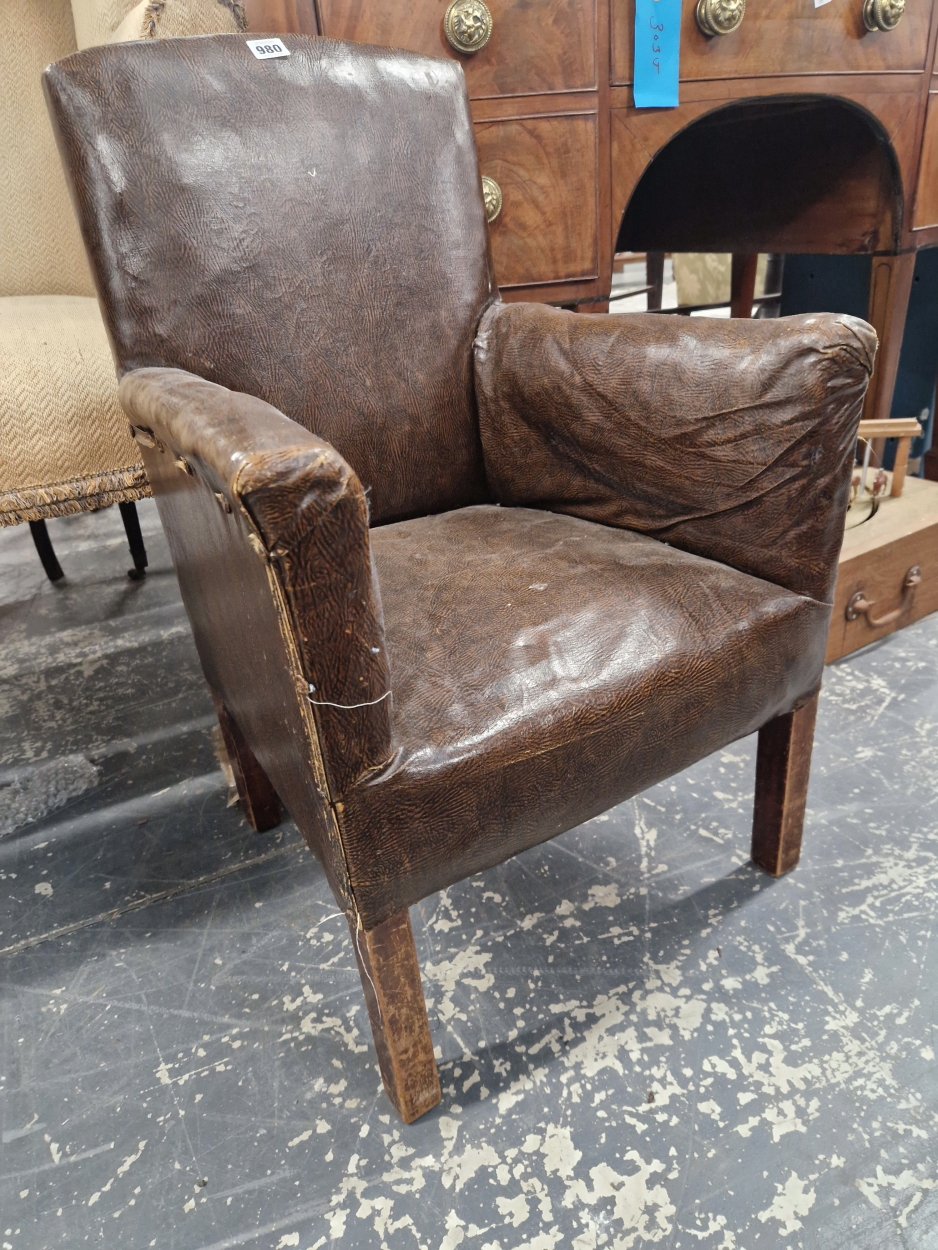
309 514
483 677
733 439
249 227
545 668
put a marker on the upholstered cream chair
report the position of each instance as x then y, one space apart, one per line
64 442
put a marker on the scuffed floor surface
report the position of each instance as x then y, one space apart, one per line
642 1040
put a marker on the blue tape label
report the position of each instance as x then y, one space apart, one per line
657 53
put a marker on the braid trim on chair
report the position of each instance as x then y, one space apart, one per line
80 494
237 12
151 15
154 11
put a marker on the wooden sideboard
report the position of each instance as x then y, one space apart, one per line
800 131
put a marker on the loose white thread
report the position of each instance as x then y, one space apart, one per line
364 968
348 707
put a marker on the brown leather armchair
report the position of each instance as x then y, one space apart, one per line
542 562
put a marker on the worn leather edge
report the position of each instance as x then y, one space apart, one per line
831 339
311 520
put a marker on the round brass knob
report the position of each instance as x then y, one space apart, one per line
492 195
720 17
467 25
882 14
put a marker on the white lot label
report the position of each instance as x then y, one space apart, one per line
264 49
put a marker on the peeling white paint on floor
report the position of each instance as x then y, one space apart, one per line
642 1041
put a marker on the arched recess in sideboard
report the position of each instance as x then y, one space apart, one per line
791 173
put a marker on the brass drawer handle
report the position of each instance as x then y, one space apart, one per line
721 17
492 195
859 605
882 14
467 25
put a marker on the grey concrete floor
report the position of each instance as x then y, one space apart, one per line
642 1040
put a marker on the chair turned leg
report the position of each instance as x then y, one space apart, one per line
44 549
259 800
138 553
782 766
387 962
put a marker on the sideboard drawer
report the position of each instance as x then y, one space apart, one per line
534 47
784 37
876 557
546 169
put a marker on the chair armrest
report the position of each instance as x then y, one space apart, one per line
257 509
731 439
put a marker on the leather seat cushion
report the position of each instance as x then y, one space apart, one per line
545 668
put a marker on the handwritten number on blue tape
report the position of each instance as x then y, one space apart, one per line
657 53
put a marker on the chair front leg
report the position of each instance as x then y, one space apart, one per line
258 798
390 974
783 763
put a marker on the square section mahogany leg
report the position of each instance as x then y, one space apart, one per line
387 962
258 798
782 766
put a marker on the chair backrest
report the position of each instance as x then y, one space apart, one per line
41 252
113 21
308 229
40 248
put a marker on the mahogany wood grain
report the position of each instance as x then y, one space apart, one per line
654 277
257 797
390 976
729 198
567 183
606 243
892 102
282 17
783 762
547 169
779 37
564 294
926 193
890 285
743 283
850 203
534 48
508 108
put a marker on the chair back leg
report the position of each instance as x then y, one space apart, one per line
783 763
138 552
258 798
44 548
387 963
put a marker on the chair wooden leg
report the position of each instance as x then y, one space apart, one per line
258 798
45 550
743 283
654 279
782 766
387 962
138 552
